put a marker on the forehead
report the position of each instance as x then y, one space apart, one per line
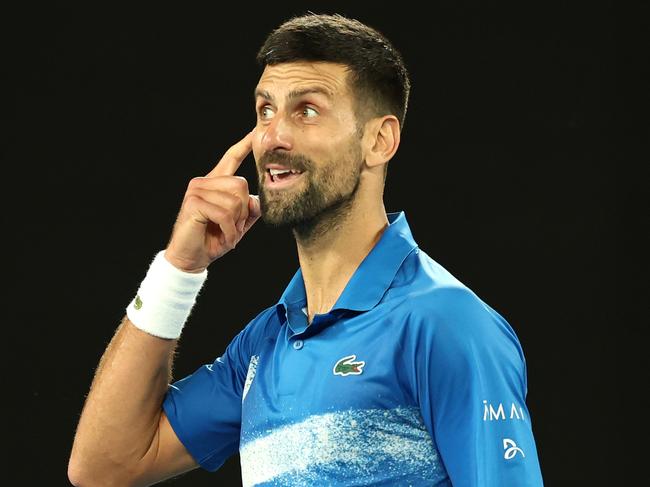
330 78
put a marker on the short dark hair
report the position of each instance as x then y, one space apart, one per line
377 74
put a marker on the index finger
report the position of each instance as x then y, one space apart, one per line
233 157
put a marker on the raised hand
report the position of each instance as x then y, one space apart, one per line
216 212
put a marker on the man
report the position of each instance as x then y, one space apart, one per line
376 366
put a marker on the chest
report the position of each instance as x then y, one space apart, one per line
333 406
347 366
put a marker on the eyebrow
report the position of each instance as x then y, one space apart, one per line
294 93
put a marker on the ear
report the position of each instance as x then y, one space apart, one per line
381 140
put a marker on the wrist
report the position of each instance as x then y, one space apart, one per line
165 298
182 265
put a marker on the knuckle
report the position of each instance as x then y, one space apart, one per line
241 182
231 214
192 199
220 213
234 204
195 182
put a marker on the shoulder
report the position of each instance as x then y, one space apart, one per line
262 326
246 343
431 292
441 309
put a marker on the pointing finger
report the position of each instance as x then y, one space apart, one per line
233 157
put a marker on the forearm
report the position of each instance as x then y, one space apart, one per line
122 434
121 414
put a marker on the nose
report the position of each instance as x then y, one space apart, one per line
277 134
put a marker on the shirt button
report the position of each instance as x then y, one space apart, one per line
298 344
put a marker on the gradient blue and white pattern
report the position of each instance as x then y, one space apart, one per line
382 447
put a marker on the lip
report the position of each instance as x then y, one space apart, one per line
285 183
275 166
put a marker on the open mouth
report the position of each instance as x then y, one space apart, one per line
279 178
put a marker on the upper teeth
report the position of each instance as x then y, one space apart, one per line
282 171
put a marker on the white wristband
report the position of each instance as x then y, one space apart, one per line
165 298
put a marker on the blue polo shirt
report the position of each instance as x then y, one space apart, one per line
410 379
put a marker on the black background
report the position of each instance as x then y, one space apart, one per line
506 172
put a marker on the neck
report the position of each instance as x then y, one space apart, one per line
331 248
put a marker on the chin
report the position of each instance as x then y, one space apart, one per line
278 220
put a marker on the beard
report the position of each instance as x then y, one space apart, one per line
315 206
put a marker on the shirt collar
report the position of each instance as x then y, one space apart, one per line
372 278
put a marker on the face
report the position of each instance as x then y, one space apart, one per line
305 123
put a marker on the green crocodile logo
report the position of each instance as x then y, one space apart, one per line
348 366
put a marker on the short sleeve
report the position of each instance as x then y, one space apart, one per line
471 385
204 408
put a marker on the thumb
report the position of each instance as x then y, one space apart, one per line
254 211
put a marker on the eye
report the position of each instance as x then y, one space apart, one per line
264 111
306 109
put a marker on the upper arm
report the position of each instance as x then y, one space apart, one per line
472 390
167 457
201 415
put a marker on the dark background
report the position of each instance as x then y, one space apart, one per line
506 171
